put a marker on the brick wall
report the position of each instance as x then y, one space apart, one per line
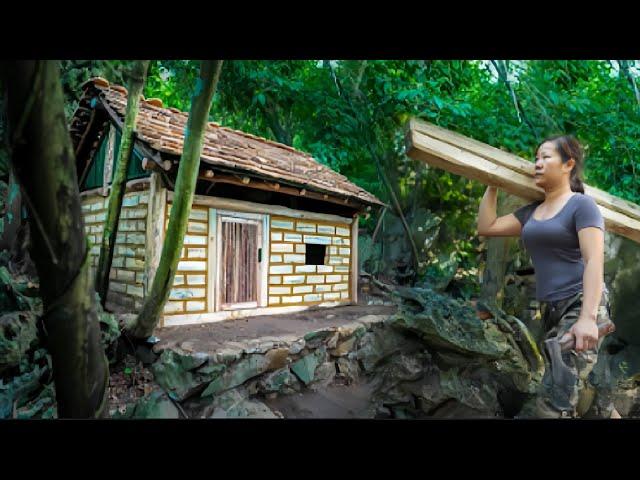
190 285
291 281
127 277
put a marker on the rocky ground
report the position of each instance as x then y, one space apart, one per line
427 355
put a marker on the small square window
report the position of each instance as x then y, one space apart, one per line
315 254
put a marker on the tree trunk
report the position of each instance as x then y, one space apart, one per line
181 208
44 165
136 84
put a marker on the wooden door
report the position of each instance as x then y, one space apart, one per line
239 279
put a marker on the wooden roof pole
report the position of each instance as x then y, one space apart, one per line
276 187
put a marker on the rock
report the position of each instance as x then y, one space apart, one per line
376 345
627 402
479 396
324 375
181 376
17 335
616 377
260 346
305 368
348 368
333 341
187 346
444 323
12 297
247 368
368 320
396 374
315 339
233 404
155 405
623 274
276 358
276 381
343 348
20 388
238 345
297 346
228 354
354 328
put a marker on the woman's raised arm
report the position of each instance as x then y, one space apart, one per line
489 224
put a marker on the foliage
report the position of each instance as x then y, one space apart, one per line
350 114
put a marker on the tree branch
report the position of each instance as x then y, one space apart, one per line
624 68
501 68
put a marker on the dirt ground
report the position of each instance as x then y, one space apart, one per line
334 401
208 336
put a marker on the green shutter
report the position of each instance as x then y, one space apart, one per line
96 171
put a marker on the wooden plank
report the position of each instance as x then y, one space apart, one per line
264 264
251 207
462 162
270 186
109 161
212 261
135 184
516 163
156 233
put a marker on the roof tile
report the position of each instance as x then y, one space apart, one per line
163 129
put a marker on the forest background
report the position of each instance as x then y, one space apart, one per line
351 116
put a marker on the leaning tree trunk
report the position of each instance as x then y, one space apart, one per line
43 160
136 83
181 208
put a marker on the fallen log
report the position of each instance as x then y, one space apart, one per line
487 170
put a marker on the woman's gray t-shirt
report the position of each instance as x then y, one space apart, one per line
554 247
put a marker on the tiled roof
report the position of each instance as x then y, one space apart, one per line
163 130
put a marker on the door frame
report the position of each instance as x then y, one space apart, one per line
261 221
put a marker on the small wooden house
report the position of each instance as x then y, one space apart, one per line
271 230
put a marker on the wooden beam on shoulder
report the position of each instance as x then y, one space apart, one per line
515 163
465 163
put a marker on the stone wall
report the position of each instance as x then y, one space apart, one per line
127 276
271 366
291 281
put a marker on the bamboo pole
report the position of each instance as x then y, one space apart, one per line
183 198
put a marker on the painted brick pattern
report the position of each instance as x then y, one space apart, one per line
190 284
126 285
291 281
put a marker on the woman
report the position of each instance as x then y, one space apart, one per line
564 235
